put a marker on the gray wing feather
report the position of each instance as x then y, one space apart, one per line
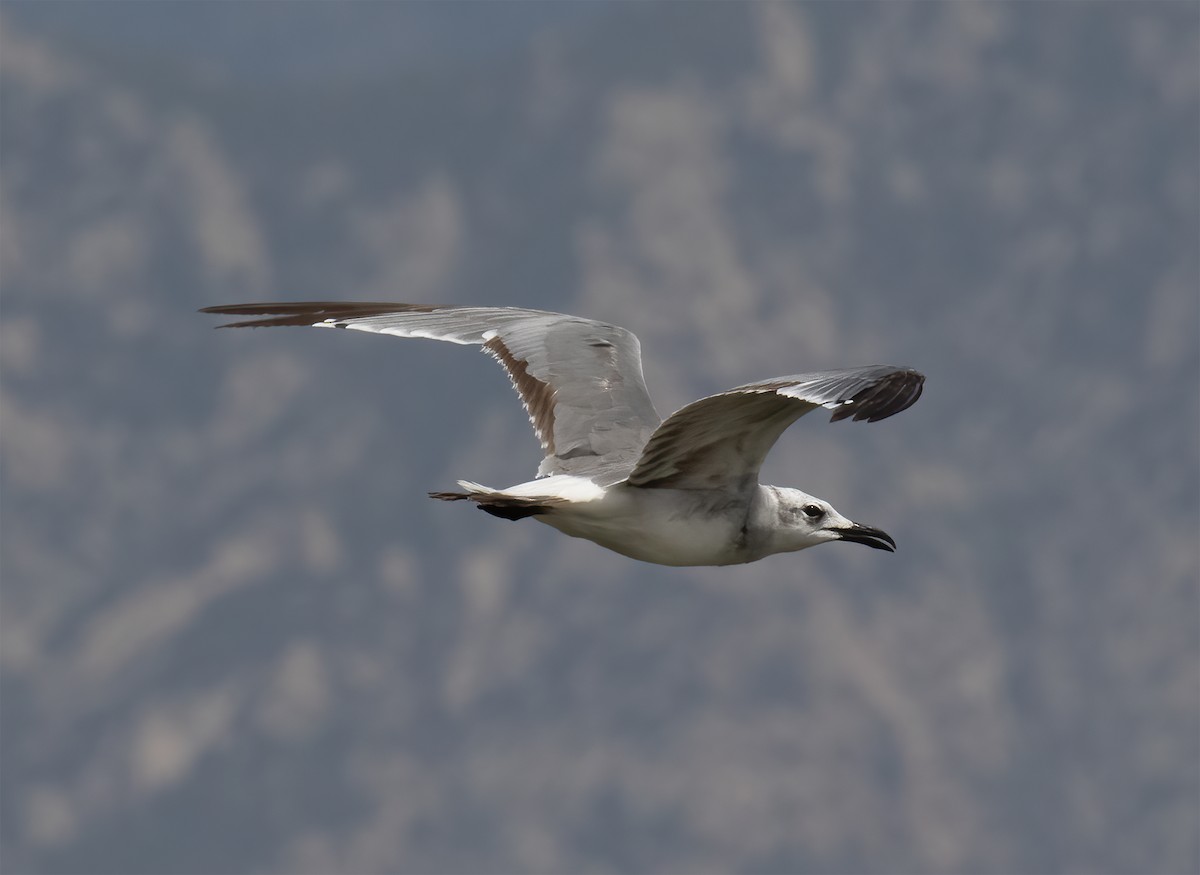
580 381
721 441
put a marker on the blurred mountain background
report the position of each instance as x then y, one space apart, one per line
236 637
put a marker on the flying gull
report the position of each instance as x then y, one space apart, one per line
679 491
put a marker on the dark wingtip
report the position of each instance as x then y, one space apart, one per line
223 324
305 314
896 391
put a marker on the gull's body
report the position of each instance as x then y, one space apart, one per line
680 491
679 526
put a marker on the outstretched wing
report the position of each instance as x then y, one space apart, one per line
720 442
580 380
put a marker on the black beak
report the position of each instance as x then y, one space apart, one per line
868 535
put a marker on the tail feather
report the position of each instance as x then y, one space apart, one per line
500 504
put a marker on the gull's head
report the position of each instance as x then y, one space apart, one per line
805 521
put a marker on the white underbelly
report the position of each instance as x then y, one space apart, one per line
660 526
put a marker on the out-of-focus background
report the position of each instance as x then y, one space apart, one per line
237 637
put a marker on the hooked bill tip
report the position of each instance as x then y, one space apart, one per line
869 536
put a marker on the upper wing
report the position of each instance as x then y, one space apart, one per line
580 381
721 441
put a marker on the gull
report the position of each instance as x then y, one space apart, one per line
679 491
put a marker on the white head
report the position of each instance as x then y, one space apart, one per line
803 520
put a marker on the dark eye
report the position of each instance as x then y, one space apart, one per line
813 511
